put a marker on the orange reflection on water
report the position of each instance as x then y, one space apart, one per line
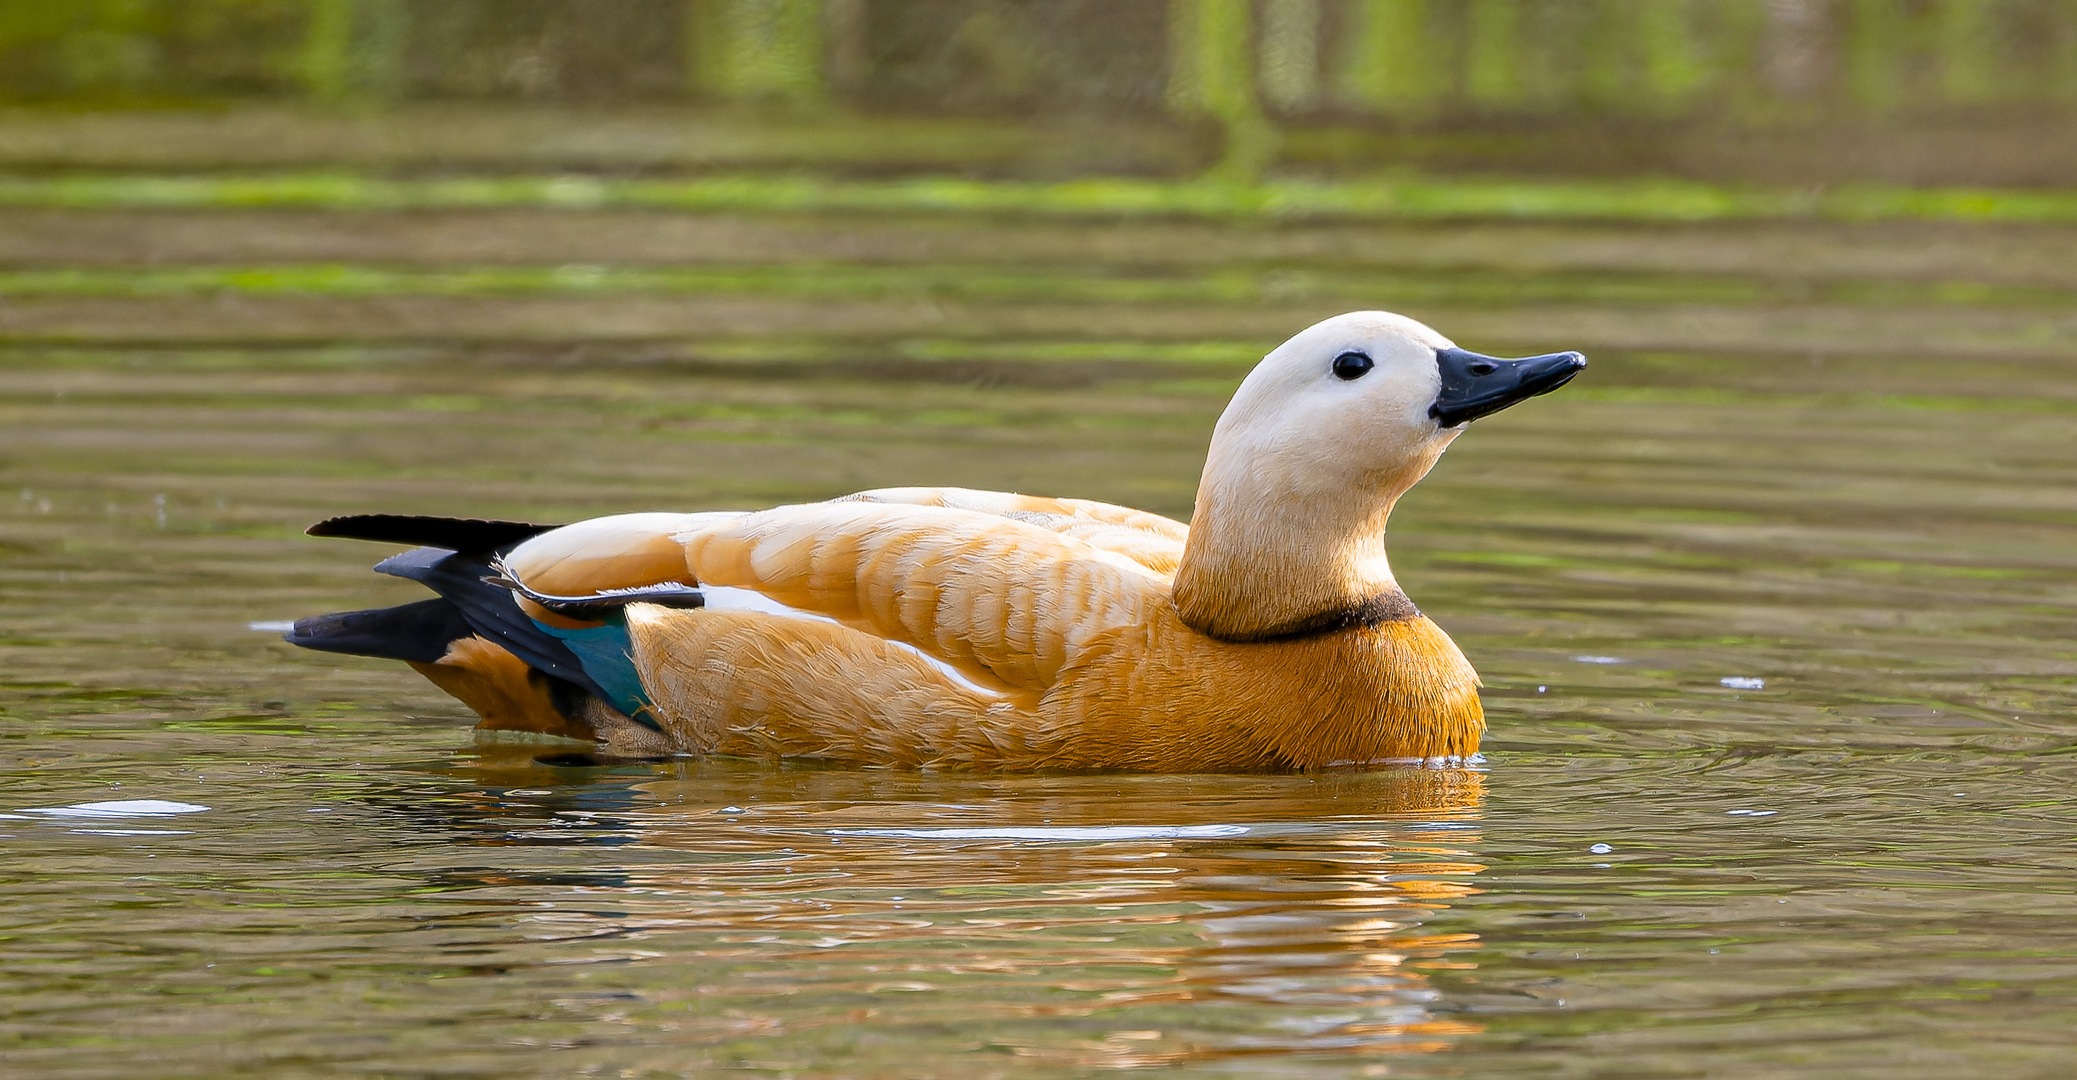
1088 921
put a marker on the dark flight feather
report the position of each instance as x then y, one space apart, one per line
473 536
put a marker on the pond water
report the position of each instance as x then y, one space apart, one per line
1776 608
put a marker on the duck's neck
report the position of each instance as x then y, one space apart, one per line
1303 560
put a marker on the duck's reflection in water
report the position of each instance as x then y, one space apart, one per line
1084 921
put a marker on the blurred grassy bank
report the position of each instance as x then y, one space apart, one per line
1919 93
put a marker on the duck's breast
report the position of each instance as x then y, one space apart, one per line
1163 696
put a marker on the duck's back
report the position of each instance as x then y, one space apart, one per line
1003 587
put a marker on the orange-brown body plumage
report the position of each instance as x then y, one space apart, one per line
1081 662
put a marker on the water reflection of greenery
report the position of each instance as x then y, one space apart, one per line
1078 284
1387 197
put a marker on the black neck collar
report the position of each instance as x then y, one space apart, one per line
1391 605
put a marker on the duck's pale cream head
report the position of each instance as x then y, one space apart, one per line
1310 455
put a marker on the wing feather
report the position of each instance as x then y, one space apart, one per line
1009 587
973 589
1151 540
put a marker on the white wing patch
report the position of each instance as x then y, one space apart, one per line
730 598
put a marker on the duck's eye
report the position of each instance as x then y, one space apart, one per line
1351 365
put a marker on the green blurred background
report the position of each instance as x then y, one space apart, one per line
1778 92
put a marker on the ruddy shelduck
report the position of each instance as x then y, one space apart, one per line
919 627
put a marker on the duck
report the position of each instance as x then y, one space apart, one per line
938 627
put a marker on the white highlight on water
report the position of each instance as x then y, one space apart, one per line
1475 761
1743 682
272 626
118 808
1597 660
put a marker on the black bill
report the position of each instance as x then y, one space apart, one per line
1474 385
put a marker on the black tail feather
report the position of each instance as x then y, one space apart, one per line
474 536
419 632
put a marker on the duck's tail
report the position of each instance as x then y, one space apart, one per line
440 640
476 642
434 638
472 640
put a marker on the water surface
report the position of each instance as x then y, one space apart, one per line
1775 606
